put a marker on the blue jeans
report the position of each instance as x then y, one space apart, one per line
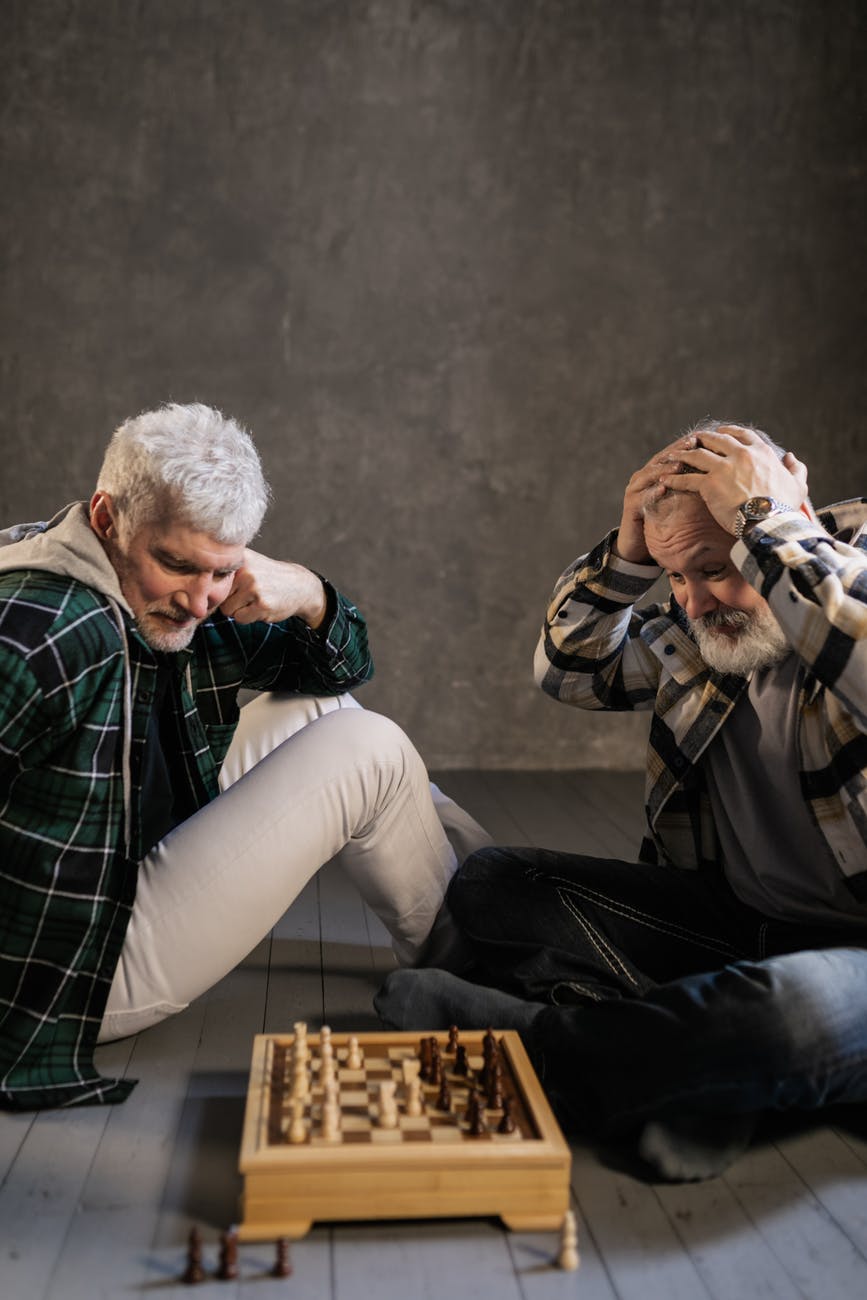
664 992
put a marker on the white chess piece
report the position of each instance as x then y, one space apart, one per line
297 1128
387 1105
414 1105
300 1081
330 1121
326 1072
354 1057
568 1257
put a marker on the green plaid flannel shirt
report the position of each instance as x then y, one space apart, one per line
599 650
67 883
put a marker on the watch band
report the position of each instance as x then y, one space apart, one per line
756 509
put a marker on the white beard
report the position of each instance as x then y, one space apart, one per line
760 641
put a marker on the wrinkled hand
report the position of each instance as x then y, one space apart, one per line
644 485
735 464
267 591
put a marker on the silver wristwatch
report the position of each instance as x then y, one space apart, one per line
755 509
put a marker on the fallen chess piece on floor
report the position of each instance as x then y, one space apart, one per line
194 1272
568 1257
282 1265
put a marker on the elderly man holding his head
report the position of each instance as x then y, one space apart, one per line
672 1001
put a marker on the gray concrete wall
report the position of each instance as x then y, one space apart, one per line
459 264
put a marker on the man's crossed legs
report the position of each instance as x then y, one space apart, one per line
653 1003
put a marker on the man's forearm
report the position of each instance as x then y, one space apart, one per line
588 630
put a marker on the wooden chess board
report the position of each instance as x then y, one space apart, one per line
427 1165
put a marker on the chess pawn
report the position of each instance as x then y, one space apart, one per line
228 1265
568 1256
453 1039
194 1271
462 1065
444 1096
495 1087
507 1123
282 1265
331 1121
354 1057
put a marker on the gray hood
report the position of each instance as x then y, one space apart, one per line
66 545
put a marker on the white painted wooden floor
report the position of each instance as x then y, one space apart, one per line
99 1203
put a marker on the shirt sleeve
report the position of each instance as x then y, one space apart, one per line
591 652
816 586
328 660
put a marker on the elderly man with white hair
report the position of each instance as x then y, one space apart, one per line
150 832
673 1000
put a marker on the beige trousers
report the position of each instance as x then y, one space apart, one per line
304 780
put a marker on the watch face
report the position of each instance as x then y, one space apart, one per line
758 507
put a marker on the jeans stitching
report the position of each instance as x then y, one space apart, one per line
583 991
644 918
605 950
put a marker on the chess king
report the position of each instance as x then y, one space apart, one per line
151 832
672 1001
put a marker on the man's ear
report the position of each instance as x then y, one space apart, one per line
103 516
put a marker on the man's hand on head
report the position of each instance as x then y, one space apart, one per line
644 486
267 591
733 465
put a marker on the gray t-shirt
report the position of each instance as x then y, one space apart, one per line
773 856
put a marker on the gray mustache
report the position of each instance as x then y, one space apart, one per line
736 618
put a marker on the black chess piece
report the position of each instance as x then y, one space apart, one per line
495 1086
194 1271
474 1115
227 1268
444 1096
282 1263
507 1123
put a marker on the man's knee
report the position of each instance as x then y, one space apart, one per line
790 1008
485 877
371 740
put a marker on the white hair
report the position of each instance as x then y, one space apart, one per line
652 503
188 464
